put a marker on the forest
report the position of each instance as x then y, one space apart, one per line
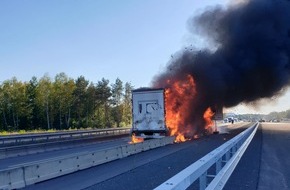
64 103
272 116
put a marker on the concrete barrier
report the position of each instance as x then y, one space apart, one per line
12 178
22 175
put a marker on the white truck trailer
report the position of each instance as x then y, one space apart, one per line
148 109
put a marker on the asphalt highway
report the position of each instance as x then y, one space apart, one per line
145 170
264 166
266 163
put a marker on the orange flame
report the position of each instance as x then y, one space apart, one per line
208 114
177 98
135 139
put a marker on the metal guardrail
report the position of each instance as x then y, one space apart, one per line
224 158
34 138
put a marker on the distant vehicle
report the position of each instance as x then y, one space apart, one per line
148 109
229 120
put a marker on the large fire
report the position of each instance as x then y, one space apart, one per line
178 98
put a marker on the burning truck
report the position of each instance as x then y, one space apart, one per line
158 112
148 109
248 60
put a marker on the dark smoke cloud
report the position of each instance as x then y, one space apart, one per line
251 60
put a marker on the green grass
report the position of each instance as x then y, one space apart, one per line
35 131
19 132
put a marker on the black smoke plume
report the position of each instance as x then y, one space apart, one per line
251 59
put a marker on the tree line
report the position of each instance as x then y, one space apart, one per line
64 103
272 116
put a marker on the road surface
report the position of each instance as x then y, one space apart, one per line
141 171
266 163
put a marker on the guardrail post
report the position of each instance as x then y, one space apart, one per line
238 145
218 166
236 148
233 150
227 157
203 181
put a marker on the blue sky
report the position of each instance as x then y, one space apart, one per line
132 40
